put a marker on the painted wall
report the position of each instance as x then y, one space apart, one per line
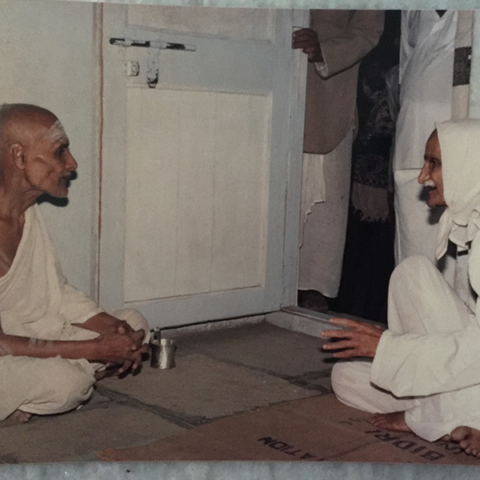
47 58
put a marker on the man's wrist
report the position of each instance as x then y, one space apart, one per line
92 350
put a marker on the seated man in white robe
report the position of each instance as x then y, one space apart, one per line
425 373
54 341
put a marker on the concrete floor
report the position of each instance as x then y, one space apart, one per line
218 373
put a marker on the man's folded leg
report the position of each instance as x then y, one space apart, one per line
43 386
352 386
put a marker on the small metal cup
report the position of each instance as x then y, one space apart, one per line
162 353
167 353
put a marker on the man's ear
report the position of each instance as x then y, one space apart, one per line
17 154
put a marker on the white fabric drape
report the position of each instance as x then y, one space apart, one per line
460 223
324 233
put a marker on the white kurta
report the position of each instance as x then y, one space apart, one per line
345 38
36 302
426 74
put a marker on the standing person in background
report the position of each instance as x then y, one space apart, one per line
335 43
368 260
434 77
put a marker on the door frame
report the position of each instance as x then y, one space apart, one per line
292 173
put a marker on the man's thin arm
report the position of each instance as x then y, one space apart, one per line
106 348
33 347
104 323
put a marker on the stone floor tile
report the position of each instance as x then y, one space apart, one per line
74 436
200 388
263 346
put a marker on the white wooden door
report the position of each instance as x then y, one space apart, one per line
195 171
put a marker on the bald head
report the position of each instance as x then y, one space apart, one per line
24 124
22 112
19 122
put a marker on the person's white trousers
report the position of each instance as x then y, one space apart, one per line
422 303
53 385
326 180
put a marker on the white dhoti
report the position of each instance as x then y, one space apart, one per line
45 386
326 191
429 358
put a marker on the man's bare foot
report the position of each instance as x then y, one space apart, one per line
20 417
468 439
394 421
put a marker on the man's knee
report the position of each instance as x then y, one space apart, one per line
43 386
350 380
70 386
339 379
135 319
409 270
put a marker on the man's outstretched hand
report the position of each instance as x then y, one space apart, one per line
307 40
358 340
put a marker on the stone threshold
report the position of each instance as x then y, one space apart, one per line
292 318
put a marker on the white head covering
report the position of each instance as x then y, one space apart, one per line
460 147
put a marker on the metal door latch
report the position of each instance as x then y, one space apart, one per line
154 47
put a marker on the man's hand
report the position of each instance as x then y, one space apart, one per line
137 362
108 327
307 40
361 340
123 349
123 328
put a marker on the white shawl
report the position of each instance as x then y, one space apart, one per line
35 299
460 148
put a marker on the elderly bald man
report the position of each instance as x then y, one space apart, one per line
54 341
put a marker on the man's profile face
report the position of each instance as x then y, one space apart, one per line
431 174
49 165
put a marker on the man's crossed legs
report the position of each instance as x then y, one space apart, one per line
45 386
453 413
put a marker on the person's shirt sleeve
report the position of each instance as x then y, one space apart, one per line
416 365
76 306
349 45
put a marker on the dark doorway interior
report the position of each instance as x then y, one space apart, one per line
368 259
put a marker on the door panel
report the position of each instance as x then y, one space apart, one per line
211 171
